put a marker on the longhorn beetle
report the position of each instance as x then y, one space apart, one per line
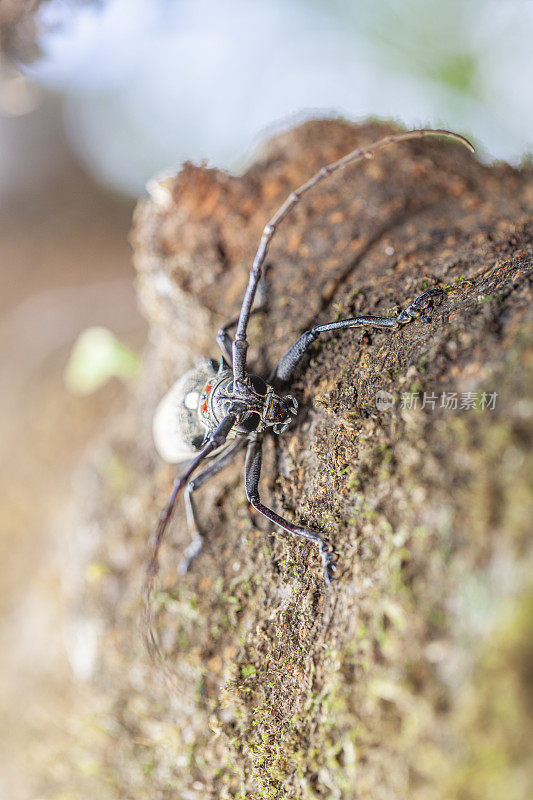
216 409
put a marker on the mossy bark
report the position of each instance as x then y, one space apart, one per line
412 677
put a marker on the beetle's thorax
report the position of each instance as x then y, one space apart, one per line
257 403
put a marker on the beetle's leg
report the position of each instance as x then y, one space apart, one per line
252 475
216 440
286 366
224 342
418 305
218 464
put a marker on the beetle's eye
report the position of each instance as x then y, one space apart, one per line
250 422
258 384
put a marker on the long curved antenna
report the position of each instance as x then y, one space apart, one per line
217 438
240 345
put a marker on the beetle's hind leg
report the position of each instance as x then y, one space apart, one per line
192 551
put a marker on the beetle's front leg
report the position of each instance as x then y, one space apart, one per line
417 306
252 475
287 365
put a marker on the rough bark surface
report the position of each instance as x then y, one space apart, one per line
412 678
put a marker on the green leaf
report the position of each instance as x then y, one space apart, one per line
96 356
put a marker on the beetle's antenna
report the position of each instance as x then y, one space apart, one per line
240 345
216 439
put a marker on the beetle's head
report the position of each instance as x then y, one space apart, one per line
279 410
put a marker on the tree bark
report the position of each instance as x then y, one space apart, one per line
411 678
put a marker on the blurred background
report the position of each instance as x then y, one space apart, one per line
97 97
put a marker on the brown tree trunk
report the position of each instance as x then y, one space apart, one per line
412 677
